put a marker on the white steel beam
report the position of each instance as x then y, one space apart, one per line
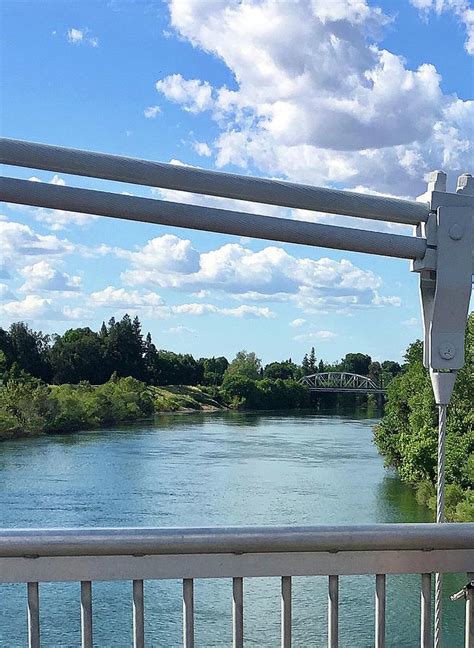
212 183
161 212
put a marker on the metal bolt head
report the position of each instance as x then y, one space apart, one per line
456 232
447 351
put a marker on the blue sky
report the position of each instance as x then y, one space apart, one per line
348 93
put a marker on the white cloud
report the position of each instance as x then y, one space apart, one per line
34 307
243 311
180 330
463 9
315 335
5 292
202 149
193 95
82 37
154 306
20 240
413 321
336 108
152 111
271 274
44 276
296 323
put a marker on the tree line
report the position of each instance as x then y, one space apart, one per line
408 435
120 348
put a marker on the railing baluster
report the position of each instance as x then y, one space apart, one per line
425 639
188 613
86 614
238 612
33 616
138 615
380 583
333 612
469 638
286 612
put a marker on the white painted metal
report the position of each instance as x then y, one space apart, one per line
333 612
33 616
341 381
380 581
86 614
228 565
238 612
286 612
138 614
201 181
469 626
23 543
188 613
162 212
425 626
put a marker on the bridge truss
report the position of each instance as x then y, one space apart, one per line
341 381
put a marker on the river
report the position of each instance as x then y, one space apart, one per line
213 470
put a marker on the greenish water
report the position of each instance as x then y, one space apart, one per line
213 470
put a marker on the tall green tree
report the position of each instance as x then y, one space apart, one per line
79 354
28 349
245 364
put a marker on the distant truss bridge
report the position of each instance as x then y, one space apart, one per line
341 381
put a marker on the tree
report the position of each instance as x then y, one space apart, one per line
124 348
280 370
305 365
357 363
312 361
78 355
245 364
29 349
321 367
407 434
214 369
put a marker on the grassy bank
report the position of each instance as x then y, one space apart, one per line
29 407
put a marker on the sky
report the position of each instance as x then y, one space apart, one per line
353 94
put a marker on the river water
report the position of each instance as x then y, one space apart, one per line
213 470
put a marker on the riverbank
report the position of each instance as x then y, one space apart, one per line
28 407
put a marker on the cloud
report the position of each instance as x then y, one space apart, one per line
193 95
297 322
315 335
271 274
34 307
202 149
336 108
413 321
5 292
180 330
44 276
461 8
153 305
81 37
20 240
151 112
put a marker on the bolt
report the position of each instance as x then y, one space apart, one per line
447 351
456 232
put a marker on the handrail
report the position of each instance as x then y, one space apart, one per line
213 183
234 540
210 219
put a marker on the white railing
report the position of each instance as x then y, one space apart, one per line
86 555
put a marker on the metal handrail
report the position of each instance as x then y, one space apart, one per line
237 540
212 183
